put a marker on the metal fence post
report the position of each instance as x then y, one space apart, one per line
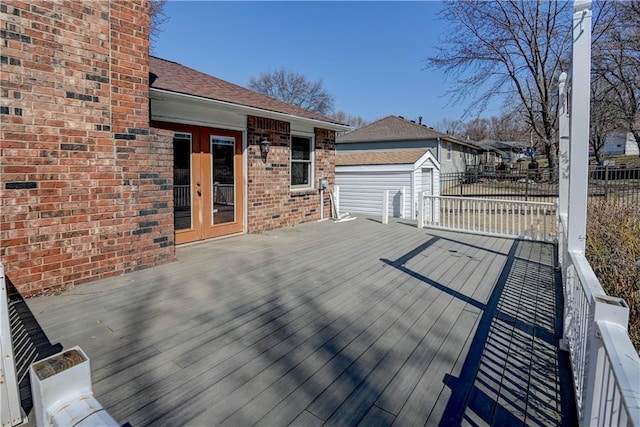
606 182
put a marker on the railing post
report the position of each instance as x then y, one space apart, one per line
385 207
606 182
563 198
420 209
607 309
579 148
568 317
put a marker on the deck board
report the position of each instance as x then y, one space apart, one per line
338 323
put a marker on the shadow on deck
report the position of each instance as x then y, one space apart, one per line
343 324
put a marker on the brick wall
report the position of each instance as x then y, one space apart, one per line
86 184
270 201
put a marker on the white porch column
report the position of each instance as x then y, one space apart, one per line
579 139
563 170
563 147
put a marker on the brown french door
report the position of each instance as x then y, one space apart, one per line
207 181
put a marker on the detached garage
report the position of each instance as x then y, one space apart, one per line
362 177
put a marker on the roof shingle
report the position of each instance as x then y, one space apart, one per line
391 128
174 77
390 157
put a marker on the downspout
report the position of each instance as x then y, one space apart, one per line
438 150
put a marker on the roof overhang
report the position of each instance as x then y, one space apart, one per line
162 94
411 139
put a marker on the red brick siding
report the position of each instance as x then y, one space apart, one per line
271 202
86 185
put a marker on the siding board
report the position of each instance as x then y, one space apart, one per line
362 192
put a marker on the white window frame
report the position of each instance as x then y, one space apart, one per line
311 162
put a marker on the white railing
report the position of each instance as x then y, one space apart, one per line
617 391
397 203
605 365
223 194
181 196
506 218
11 413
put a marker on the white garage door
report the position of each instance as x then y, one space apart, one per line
362 192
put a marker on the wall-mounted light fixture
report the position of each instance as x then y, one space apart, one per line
264 149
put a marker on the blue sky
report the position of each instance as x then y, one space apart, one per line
370 55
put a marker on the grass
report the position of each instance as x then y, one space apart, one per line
613 250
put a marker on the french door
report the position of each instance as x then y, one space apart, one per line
207 182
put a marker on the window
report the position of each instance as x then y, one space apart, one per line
301 162
448 151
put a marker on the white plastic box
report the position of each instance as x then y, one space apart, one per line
63 394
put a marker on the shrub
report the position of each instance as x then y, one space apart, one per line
613 250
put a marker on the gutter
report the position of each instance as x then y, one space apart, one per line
161 94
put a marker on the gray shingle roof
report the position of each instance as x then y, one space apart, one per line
391 128
390 157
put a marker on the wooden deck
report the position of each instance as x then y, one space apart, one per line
353 323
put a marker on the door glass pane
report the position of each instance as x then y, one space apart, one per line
223 188
182 204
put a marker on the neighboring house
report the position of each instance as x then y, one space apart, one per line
363 176
394 133
620 144
510 151
110 158
489 158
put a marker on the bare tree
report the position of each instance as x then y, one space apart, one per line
514 48
293 88
450 126
509 126
604 118
617 67
477 129
353 121
157 19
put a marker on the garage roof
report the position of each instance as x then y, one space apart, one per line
390 157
